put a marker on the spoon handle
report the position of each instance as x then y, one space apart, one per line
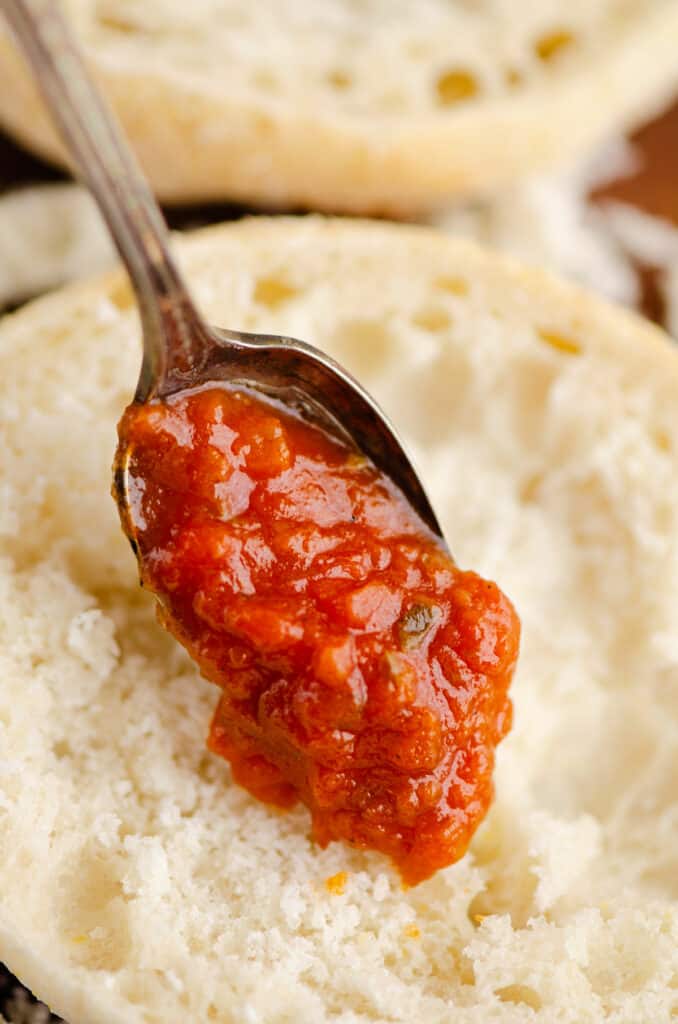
172 327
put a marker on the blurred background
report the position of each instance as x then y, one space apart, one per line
609 221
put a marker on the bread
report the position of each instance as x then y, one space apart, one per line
136 882
545 220
549 221
359 107
48 235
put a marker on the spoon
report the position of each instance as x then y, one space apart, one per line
181 351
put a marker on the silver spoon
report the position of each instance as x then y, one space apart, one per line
180 350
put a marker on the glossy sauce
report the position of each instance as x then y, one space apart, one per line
361 671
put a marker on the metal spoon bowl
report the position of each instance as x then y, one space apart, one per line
181 351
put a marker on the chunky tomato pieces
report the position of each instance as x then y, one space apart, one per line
361 671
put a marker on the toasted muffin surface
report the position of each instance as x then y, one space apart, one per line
360 107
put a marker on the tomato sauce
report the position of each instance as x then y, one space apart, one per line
360 670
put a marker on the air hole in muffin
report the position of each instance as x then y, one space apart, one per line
364 345
418 49
432 318
116 23
530 488
456 86
510 885
265 80
133 992
462 967
553 44
453 285
263 125
89 911
522 995
339 80
443 381
392 102
560 342
273 292
121 296
662 441
513 78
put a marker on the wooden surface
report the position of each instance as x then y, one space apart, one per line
654 186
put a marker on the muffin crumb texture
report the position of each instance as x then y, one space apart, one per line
138 883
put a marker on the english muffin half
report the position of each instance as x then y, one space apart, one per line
359 107
137 882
